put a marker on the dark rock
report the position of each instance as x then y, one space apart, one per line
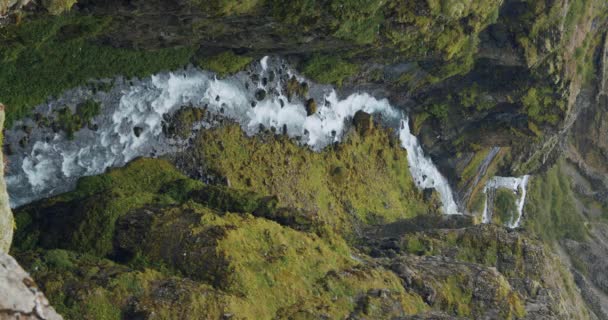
137 131
364 122
260 94
311 107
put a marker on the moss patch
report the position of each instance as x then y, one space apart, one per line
42 58
329 69
364 178
550 209
224 63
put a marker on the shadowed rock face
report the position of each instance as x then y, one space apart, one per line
178 249
19 296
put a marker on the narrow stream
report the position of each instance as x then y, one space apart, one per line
131 120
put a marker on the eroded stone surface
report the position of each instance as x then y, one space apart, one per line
19 296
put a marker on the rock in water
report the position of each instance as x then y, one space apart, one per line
19 296
364 122
137 131
260 94
311 107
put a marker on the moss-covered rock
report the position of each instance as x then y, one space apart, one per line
224 63
56 7
363 179
329 69
181 122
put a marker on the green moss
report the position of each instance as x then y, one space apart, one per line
227 7
455 296
357 20
224 63
266 271
329 69
439 110
539 104
42 58
550 207
505 209
182 122
354 20
86 217
71 122
473 98
99 306
374 183
472 167
58 6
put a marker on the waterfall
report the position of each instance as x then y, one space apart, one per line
424 172
53 163
516 184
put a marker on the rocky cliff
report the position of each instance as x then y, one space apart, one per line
6 215
249 159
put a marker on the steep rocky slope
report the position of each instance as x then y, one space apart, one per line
243 220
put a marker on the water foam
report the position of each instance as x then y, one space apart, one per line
53 166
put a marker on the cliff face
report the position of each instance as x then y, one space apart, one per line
19 296
232 226
6 215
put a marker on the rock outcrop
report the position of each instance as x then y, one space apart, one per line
19 296
6 215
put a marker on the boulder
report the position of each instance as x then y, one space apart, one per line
19 296
311 107
364 122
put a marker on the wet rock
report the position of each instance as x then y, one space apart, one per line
260 94
23 142
364 122
137 131
311 107
295 89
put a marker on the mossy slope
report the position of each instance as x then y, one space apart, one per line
365 178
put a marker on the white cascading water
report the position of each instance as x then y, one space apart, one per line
53 163
424 172
516 184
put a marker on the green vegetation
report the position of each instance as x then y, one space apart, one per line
576 11
224 63
165 232
373 185
71 122
41 58
86 216
455 297
550 208
439 110
473 98
182 121
355 20
56 7
227 7
505 209
329 69
472 167
539 104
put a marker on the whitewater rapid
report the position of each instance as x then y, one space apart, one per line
518 185
51 163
